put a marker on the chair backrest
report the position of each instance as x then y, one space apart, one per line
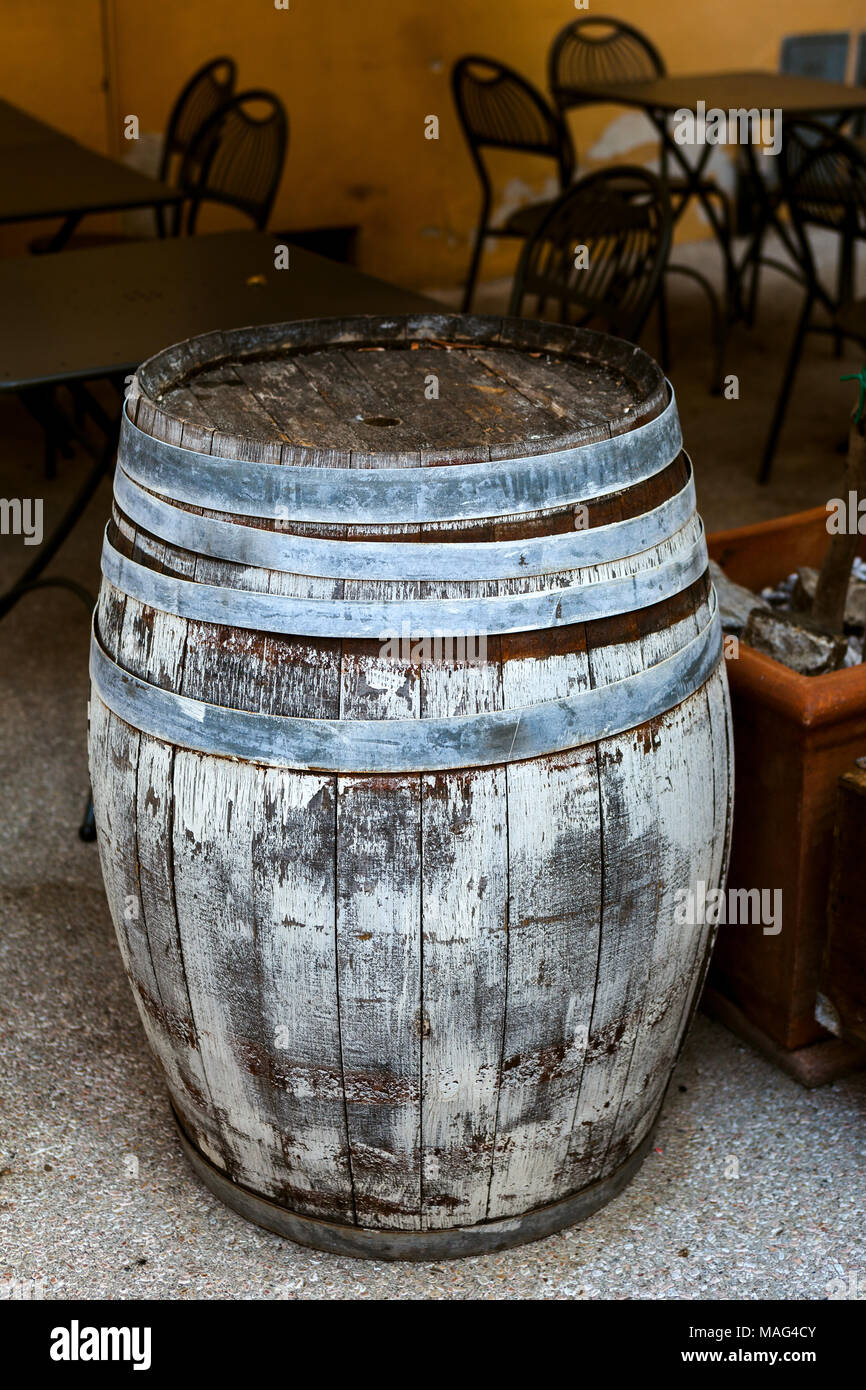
205 92
599 254
237 157
499 109
597 49
823 180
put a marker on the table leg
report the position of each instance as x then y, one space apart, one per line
46 411
768 217
693 174
63 233
87 828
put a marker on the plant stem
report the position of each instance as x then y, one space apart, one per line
828 606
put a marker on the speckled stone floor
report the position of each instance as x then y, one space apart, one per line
754 1188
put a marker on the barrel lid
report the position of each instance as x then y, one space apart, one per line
371 392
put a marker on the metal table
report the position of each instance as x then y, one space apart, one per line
803 97
18 127
98 313
45 174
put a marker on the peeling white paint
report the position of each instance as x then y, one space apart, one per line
518 194
627 132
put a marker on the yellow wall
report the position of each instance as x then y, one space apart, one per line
358 80
51 63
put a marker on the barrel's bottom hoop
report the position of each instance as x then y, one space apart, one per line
455 1242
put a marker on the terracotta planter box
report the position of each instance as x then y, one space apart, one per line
793 738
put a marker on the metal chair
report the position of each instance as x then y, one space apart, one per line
596 49
236 159
205 92
823 183
209 88
802 55
622 216
499 109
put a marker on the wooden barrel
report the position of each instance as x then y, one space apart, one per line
408 732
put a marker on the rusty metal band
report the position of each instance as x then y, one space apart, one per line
409 745
348 559
259 611
363 496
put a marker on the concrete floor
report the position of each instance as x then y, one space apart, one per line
754 1188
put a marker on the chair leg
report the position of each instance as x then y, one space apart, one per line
754 291
754 283
786 388
717 323
732 281
664 331
474 264
845 282
50 440
57 441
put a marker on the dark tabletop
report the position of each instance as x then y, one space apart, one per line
18 127
795 96
44 173
92 313
54 178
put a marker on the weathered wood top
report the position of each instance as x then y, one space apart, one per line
423 388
